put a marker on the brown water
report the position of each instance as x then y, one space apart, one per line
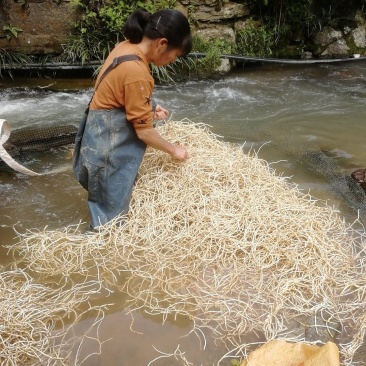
280 111
144 340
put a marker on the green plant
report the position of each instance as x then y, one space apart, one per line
284 23
181 69
115 14
91 39
88 45
11 31
161 73
8 59
100 28
212 60
352 46
235 363
213 48
255 41
191 10
101 24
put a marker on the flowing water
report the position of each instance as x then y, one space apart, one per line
280 112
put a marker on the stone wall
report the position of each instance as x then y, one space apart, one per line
219 20
330 42
46 24
213 19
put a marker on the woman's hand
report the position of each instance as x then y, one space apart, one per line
152 138
160 113
180 153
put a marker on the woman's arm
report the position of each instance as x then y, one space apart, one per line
152 138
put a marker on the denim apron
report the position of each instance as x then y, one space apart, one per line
107 156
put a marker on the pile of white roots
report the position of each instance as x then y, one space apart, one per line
32 319
224 240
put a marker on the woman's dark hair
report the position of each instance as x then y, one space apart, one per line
167 23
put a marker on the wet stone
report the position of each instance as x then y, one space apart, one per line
359 176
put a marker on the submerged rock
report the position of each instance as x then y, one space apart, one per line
359 176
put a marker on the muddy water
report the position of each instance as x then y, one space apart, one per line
280 112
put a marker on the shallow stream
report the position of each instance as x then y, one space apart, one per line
280 112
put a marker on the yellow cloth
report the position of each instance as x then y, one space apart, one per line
281 353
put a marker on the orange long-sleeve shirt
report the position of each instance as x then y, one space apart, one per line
129 85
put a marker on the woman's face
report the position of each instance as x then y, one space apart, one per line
165 55
169 56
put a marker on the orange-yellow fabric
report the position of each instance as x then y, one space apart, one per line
281 353
129 85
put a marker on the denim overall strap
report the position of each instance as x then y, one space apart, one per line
79 135
116 62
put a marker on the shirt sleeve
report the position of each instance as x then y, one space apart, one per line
138 104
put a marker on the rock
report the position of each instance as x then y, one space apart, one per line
247 23
215 3
359 36
360 18
44 24
337 49
327 36
307 55
331 43
359 176
222 32
229 10
225 66
182 8
36 44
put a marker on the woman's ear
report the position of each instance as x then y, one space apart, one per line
163 43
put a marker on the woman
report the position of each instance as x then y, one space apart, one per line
111 142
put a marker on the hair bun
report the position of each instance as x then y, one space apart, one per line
147 16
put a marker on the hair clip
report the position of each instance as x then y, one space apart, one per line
157 23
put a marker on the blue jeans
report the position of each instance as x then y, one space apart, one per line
107 157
